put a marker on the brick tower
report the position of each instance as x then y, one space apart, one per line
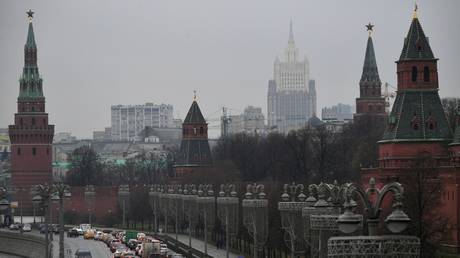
194 149
417 129
31 136
417 123
370 102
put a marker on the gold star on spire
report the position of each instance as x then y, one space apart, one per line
194 95
370 28
415 15
30 15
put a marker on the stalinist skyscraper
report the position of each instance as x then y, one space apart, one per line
291 93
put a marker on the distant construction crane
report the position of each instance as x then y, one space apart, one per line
225 121
387 95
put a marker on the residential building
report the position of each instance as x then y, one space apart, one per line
251 121
291 95
127 121
339 112
64 137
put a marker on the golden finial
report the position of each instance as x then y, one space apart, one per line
414 15
370 28
30 15
194 95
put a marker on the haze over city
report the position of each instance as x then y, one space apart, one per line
94 54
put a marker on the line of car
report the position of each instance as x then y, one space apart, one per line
22 227
123 245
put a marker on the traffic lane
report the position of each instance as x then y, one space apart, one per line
97 248
3 255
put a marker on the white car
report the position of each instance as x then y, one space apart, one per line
80 231
98 235
27 228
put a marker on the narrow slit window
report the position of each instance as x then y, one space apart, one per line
426 74
414 73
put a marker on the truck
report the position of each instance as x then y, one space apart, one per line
151 249
130 234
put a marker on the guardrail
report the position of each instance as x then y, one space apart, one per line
181 248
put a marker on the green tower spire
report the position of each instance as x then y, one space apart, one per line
370 70
30 81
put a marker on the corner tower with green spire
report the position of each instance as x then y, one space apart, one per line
417 124
370 101
31 136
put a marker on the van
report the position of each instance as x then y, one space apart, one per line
83 254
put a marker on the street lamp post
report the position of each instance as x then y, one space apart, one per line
320 216
123 194
206 204
163 203
90 194
153 197
4 203
290 207
396 222
227 210
190 208
173 205
61 191
255 215
373 245
42 198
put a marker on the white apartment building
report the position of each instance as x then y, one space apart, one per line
127 121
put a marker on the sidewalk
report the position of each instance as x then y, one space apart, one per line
199 245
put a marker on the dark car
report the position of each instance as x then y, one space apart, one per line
72 232
83 254
132 244
55 229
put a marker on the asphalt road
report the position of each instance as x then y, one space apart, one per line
8 256
71 244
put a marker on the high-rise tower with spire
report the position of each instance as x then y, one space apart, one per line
291 95
370 101
31 136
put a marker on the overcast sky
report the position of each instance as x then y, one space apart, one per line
93 54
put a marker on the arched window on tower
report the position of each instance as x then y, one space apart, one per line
21 122
201 130
34 151
414 73
33 121
426 74
19 151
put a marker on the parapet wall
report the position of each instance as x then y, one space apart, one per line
22 245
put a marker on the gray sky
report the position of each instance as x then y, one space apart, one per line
93 54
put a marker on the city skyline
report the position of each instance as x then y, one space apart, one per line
92 56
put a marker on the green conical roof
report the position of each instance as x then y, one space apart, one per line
30 80
456 140
370 71
417 116
416 45
194 115
30 43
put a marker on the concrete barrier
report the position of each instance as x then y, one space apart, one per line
22 245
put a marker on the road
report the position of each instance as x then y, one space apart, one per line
71 244
97 248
